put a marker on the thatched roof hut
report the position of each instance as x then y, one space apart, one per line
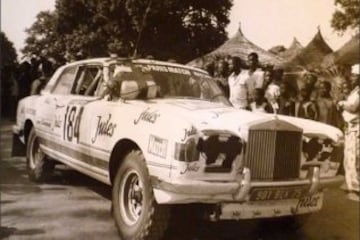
348 54
311 56
239 46
294 49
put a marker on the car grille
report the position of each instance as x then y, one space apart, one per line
273 154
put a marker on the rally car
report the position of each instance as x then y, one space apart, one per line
163 134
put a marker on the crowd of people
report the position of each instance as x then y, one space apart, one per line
263 89
27 78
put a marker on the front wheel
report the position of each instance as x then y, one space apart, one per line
136 213
39 167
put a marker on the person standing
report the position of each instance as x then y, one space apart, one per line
260 104
254 77
221 77
327 108
39 83
351 107
304 107
285 103
24 79
237 85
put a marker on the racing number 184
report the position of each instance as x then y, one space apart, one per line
71 123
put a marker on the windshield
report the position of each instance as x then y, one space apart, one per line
176 82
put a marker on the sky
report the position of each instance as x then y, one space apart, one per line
266 23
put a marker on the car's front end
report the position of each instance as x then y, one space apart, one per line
261 167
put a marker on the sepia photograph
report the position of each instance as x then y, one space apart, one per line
180 119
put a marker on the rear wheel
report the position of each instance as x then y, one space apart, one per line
136 213
39 167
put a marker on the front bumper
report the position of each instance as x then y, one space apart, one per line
187 191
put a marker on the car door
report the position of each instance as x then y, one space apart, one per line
69 114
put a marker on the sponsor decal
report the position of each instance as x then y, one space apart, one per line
105 127
188 133
147 116
157 146
169 69
307 202
190 167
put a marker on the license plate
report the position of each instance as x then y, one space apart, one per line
279 193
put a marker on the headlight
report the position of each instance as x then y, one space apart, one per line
322 152
214 145
316 149
187 152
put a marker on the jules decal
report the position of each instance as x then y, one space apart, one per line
147 116
190 167
105 127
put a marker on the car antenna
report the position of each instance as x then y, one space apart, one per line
142 27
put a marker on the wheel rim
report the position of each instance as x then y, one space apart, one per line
36 155
131 197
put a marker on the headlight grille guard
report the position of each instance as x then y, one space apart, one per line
211 144
318 148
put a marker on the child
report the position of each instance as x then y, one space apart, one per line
260 104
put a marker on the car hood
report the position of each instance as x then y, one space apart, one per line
205 115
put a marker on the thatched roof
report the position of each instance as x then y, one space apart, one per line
348 54
312 55
294 49
239 46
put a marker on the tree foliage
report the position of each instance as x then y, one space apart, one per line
177 29
8 52
347 16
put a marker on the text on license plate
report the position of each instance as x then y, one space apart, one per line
279 193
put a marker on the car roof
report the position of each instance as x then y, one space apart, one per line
106 61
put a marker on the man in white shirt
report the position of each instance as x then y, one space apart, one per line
238 88
254 76
243 83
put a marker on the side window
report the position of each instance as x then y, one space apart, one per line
88 79
65 81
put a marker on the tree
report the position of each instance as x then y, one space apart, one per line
42 36
347 17
178 29
8 52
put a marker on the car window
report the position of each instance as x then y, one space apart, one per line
87 80
65 82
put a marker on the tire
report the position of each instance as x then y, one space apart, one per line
39 168
136 213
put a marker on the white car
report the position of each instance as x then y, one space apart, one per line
162 134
